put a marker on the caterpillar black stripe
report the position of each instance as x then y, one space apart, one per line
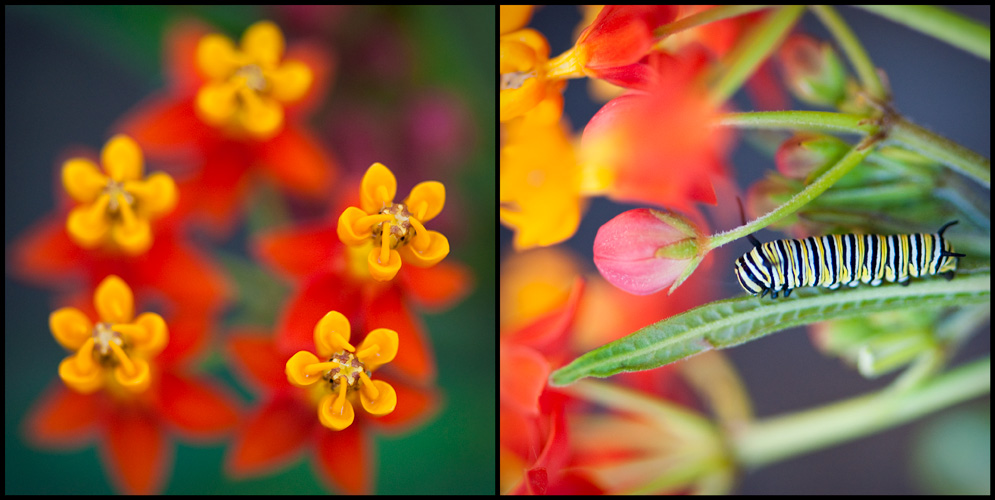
844 259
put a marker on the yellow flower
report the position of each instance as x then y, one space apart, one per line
113 352
396 229
117 207
248 86
345 377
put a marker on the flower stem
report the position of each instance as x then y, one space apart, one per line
778 438
854 51
942 24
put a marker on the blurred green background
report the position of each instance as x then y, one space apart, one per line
70 74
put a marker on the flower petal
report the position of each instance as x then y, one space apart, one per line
216 56
347 227
385 402
134 238
378 348
136 451
261 116
345 459
263 43
70 327
273 436
336 412
122 158
88 224
331 334
156 194
114 301
377 189
216 103
62 417
290 81
437 249
385 271
83 180
426 200
196 406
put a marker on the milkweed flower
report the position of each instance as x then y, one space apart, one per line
344 379
248 86
396 230
114 351
117 204
121 388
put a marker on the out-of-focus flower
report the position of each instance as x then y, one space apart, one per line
117 389
232 111
514 17
248 86
659 145
118 203
118 344
611 47
394 230
338 383
540 185
642 251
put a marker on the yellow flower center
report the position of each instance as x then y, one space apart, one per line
118 196
103 337
399 228
348 370
253 76
515 79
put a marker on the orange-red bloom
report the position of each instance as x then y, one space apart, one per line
116 391
232 111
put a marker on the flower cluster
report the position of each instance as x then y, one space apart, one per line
230 140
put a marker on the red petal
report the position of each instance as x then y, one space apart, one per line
135 451
323 293
298 162
438 287
196 407
299 251
166 126
273 437
256 359
523 377
44 254
345 458
414 353
62 418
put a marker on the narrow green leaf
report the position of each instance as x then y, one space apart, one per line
730 322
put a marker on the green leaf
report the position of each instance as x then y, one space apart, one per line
734 321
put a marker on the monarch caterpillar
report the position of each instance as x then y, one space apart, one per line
839 259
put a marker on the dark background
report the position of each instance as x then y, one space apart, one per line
935 85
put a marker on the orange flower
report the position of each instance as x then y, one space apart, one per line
345 377
247 88
230 110
141 402
117 207
394 230
113 352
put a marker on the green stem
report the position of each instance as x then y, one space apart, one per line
778 438
821 121
751 52
942 150
854 51
942 24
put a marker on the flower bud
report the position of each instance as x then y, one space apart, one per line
643 251
812 71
